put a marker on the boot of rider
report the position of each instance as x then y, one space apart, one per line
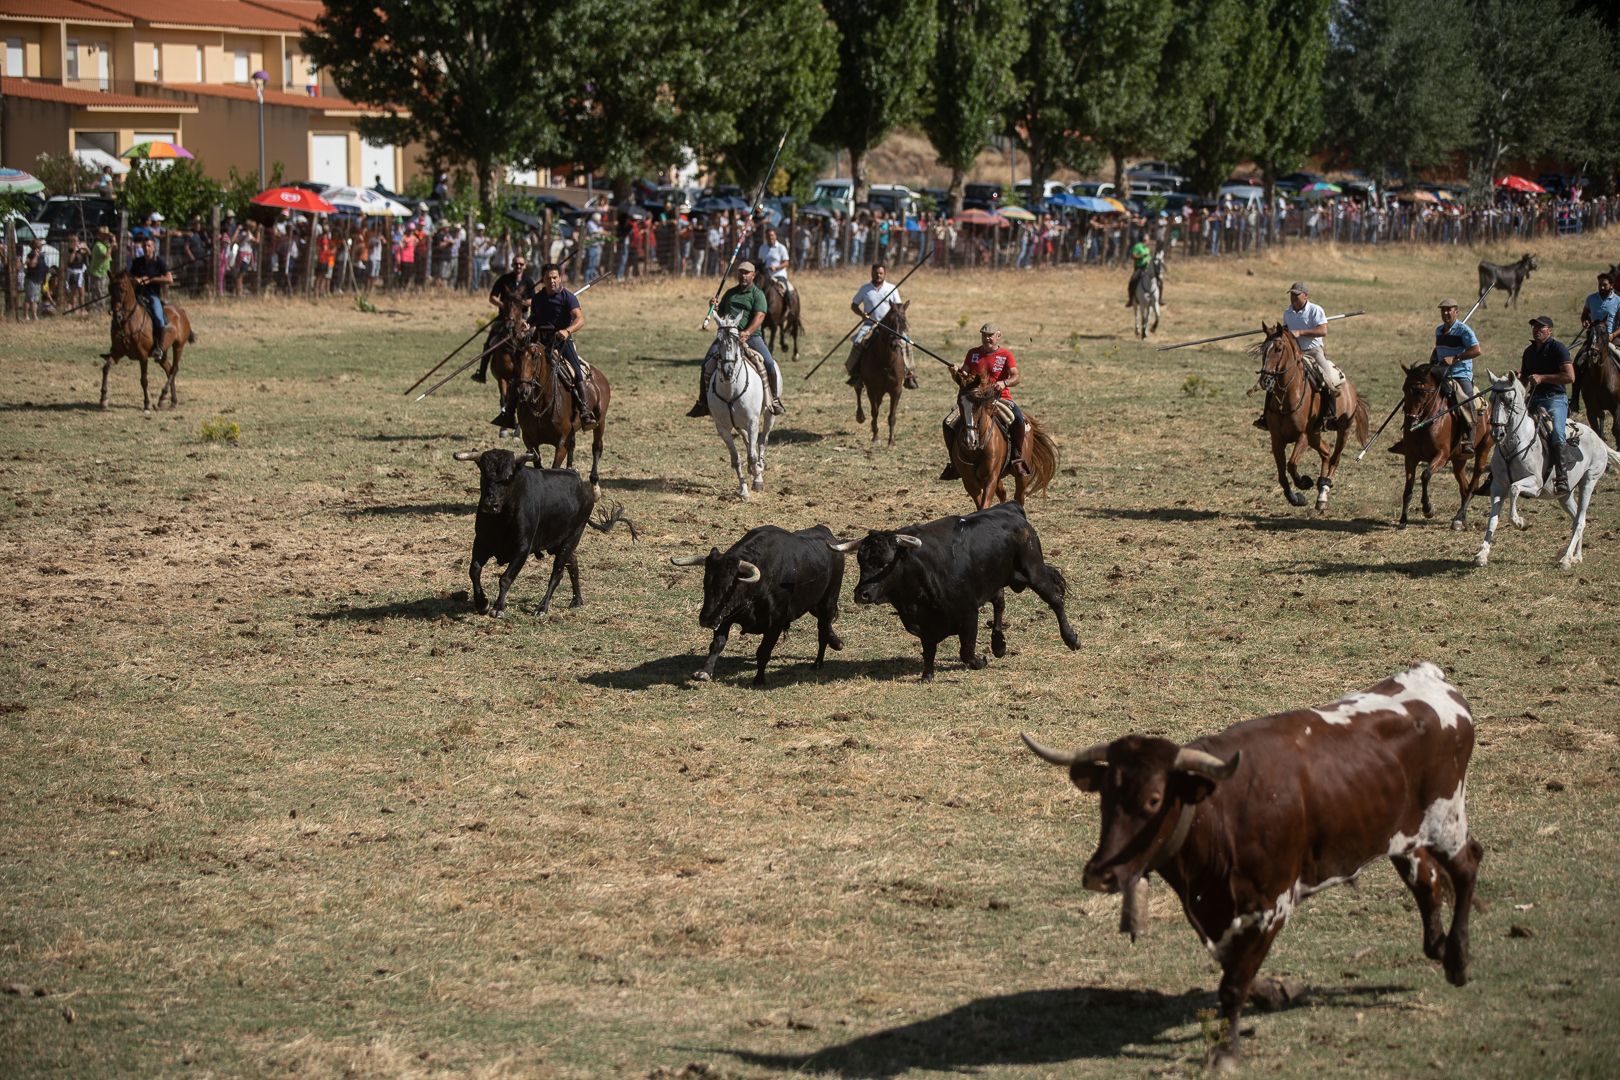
507 418
1564 459
1465 427
586 416
702 406
949 472
910 382
853 366
1016 462
482 374
1130 288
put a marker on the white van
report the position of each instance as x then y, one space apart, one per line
836 190
897 200
1049 188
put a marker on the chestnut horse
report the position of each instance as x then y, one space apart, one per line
1292 405
1597 381
882 366
781 314
507 348
545 408
132 336
980 451
1438 442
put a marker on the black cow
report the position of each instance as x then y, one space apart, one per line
1510 279
940 574
765 581
522 511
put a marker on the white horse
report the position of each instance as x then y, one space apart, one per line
738 403
1145 297
1517 467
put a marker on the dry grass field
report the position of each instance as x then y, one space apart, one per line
277 803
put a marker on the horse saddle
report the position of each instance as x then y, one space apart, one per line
757 362
565 371
1002 412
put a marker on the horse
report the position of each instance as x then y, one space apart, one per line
1510 279
1518 467
980 451
1145 297
1435 443
545 408
132 336
738 403
882 366
1292 403
1597 381
781 314
506 351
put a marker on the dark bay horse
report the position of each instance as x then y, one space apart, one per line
1597 382
1292 406
507 348
980 451
132 337
781 314
1437 443
882 366
545 408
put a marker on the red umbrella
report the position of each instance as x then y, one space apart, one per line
291 198
1519 183
980 217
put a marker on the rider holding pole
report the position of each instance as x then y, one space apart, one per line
151 273
1456 347
512 285
746 303
871 302
991 359
555 317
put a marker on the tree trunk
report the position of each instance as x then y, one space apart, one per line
486 188
857 175
1121 190
953 194
1268 217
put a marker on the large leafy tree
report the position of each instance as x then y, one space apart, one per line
971 80
1040 114
1288 116
468 79
1120 61
881 74
1233 37
1391 97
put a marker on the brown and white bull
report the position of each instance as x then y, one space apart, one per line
1247 823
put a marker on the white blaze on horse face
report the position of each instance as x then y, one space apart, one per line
1424 684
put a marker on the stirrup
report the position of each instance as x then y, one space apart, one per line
479 376
777 408
1260 422
1018 467
950 472
700 409
505 420
910 382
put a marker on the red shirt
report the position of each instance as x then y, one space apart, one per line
998 364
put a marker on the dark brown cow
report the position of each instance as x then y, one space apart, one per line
1247 823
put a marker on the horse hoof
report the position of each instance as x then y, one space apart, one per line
1458 525
1481 559
1428 511
1304 483
701 676
759 485
1295 499
1400 525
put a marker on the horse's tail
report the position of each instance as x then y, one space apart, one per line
1043 460
1362 425
191 335
605 521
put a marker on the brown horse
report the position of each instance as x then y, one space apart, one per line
882 366
132 336
980 451
545 408
1292 406
506 350
781 314
1597 382
1438 442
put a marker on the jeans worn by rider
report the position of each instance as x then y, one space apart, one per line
151 295
742 303
1549 358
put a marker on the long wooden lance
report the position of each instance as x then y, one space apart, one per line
1244 333
913 344
927 251
1419 427
744 234
481 328
492 348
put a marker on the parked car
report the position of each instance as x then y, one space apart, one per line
837 191
1097 189
982 197
1155 176
896 200
1049 188
65 215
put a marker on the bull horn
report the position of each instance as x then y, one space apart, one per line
467 455
907 540
845 545
687 560
1095 755
524 459
747 571
1204 764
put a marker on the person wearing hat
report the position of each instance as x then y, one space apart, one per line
991 359
1600 318
1308 323
1546 369
1456 347
744 302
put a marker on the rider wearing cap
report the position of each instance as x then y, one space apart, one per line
744 302
998 363
1546 370
1308 323
1456 347
512 285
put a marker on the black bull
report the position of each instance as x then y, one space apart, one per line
937 576
765 581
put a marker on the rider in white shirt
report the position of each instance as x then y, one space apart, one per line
872 301
773 258
1309 324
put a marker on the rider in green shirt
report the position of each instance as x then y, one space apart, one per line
744 302
1142 256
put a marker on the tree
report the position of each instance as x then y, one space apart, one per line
1039 116
1233 38
471 80
1117 101
971 81
1289 116
787 75
1390 95
881 73
179 190
65 174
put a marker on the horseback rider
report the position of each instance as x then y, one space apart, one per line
1308 323
554 318
1456 347
512 285
150 274
998 363
1142 257
1600 317
746 303
773 255
871 303
1547 369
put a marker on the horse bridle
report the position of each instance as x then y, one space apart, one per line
1432 391
1272 381
729 360
1499 432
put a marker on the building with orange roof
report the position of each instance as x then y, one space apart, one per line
73 67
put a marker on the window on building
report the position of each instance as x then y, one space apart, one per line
287 68
200 76
14 58
73 58
242 68
105 141
157 63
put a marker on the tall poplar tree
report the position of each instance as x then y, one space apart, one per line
971 80
1040 115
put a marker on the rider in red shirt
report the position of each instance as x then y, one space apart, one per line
991 359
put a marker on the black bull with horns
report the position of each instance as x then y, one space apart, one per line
765 581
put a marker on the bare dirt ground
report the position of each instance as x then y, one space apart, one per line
278 803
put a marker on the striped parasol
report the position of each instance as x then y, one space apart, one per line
17 182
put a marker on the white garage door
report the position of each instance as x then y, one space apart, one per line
375 162
329 159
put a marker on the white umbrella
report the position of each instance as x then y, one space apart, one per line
365 201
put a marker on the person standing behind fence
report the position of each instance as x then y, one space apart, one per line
100 262
78 264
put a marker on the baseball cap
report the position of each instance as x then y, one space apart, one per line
745 265
1448 303
1541 320
1298 287
989 328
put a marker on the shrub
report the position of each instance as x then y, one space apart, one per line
220 429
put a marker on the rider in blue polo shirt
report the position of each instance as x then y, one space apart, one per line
555 317
1455 349
1599 317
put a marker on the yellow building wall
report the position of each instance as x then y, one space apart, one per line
90 44
50 51
29 35
33 128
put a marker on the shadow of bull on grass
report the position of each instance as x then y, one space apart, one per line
736 669
1036 1027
